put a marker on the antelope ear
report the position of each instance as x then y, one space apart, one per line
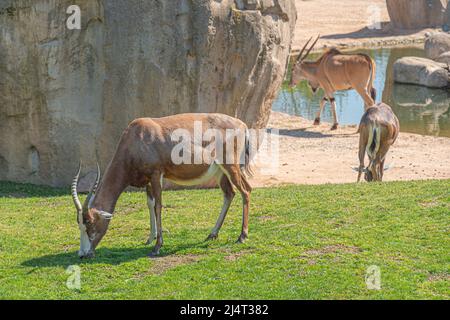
105 215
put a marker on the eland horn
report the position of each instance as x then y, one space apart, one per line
93 188
310 48
76 200
299 57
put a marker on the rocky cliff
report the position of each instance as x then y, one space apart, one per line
68 94
415 14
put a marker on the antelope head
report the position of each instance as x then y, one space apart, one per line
298 70
91 222
371 172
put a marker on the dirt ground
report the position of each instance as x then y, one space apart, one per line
315 155
344 24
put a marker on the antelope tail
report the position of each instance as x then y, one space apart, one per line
373 143
245 167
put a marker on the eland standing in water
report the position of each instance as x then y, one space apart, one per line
335 71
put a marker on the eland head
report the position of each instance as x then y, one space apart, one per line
298 70
91 222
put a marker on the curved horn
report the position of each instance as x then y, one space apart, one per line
299 58
310 48
93 188
76 200
97 180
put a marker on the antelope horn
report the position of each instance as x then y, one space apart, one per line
76 200
94 186
299 58
310 48
97 180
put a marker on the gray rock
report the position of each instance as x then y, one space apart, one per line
436 44
421 71
444 58
414 14
68 94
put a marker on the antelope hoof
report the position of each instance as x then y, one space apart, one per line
242 238
212 236
335 126
316 121
154 253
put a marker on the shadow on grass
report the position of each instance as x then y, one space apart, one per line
23 190
111 256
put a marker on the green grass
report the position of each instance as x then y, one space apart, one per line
306 242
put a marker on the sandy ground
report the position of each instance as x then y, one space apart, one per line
315 155
344 24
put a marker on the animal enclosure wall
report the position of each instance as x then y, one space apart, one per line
68 94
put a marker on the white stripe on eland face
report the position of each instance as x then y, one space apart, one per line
85 243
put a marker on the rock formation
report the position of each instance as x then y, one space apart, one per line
68 94
437 46
421 71
414 14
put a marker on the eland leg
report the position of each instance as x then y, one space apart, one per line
362 153
151 207
238 179
368 101
319 112
157 196
333 111
228 195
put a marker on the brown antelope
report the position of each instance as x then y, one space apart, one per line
144 157
378 129
335 71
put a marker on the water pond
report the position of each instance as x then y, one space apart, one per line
420 110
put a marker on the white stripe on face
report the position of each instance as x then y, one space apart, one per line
85 243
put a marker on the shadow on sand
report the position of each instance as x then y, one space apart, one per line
385 31
303 133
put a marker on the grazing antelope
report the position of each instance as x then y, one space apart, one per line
335 71
144 156
378 129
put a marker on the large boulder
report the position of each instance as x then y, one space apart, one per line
421 71
67 94
436 45
413 14
444 58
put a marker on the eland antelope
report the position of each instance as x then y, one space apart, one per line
145 156
378 129
335 71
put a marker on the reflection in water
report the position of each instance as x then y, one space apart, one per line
419 109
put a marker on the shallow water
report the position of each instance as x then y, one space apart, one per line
420 110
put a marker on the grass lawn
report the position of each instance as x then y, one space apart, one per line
306 242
